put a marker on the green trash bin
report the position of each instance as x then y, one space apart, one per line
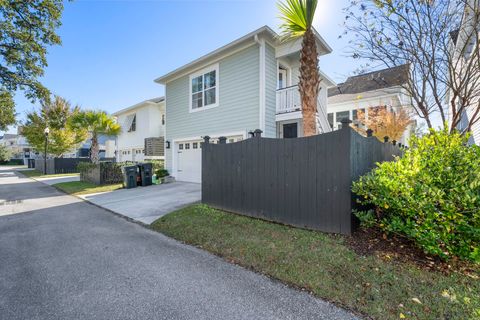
130 177
145 174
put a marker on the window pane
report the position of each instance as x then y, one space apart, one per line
195 145
180 146
342 115
197 101
210 96
197 84
330 119
210 79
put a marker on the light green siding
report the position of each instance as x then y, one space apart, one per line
238 108
295 75
270 91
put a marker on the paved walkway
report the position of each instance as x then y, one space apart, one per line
147 204
62 258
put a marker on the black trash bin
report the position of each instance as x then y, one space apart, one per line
130 176
145 174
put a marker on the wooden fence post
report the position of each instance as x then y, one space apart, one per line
257 133
369 133
345 123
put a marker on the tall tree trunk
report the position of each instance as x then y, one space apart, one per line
95 152
309 82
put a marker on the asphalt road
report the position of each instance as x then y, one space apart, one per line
62 258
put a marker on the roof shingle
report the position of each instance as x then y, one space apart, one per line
375 80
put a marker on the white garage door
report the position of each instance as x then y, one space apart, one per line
189 161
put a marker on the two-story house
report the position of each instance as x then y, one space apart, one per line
143 131
248 84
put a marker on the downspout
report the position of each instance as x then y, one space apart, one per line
261 43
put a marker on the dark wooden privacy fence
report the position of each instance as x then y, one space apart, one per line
304 182
102 173
59 165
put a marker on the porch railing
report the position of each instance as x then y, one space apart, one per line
288 100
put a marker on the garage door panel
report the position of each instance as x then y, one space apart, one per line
189 162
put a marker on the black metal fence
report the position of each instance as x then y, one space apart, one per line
304 182
59 165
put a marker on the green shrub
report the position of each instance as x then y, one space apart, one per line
85 166
156 164
431 195
160 173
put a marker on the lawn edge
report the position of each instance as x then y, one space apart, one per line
253 269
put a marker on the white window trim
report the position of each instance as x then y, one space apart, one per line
217 85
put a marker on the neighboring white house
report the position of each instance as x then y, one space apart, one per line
465 41
143 131
18 146
248 84
369 90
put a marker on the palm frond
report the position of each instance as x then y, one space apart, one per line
297 17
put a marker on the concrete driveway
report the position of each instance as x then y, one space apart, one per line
63 258
147 204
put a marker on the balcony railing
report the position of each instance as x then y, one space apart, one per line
288 100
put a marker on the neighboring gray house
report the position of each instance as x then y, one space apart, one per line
248 84
370 90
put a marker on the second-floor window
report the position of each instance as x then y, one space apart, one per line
204 89
131 123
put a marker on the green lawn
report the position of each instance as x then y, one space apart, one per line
324 265
81 187
38 174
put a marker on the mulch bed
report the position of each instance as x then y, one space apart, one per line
373 241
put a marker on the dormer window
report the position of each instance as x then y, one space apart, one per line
204 89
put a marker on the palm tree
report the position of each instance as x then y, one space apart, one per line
297 17
96 122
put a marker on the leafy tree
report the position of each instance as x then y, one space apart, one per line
56 115
438 39
385 122
5 153
7 110
27 29
297 16
96 123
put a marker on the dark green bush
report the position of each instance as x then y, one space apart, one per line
160 173
430 195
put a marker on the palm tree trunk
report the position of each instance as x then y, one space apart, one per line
309 82
95 152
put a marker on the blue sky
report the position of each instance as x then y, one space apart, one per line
112 50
